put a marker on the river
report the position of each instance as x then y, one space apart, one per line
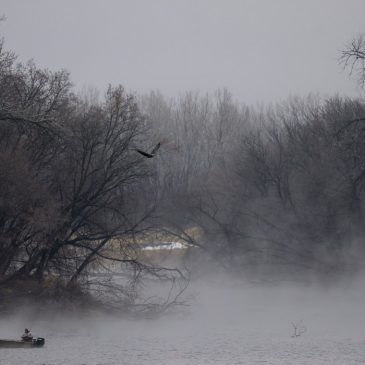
223 326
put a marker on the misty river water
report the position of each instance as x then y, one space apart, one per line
222 326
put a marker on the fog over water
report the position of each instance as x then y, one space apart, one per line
226 323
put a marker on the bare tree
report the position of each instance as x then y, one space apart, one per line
354 58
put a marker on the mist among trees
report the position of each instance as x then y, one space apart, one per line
268 192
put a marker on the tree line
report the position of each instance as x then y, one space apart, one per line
278 187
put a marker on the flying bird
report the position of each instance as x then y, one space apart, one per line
152 153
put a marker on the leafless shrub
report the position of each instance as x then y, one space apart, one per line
298 329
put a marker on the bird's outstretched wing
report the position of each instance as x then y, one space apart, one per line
146 154
155 149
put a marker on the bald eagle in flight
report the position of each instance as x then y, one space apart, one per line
152 153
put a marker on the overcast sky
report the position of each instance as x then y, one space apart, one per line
261 50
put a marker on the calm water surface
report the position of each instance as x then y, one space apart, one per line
249 328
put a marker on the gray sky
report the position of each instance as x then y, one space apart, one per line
261 50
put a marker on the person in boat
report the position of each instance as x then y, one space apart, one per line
27 336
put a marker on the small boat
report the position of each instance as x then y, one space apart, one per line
36 342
